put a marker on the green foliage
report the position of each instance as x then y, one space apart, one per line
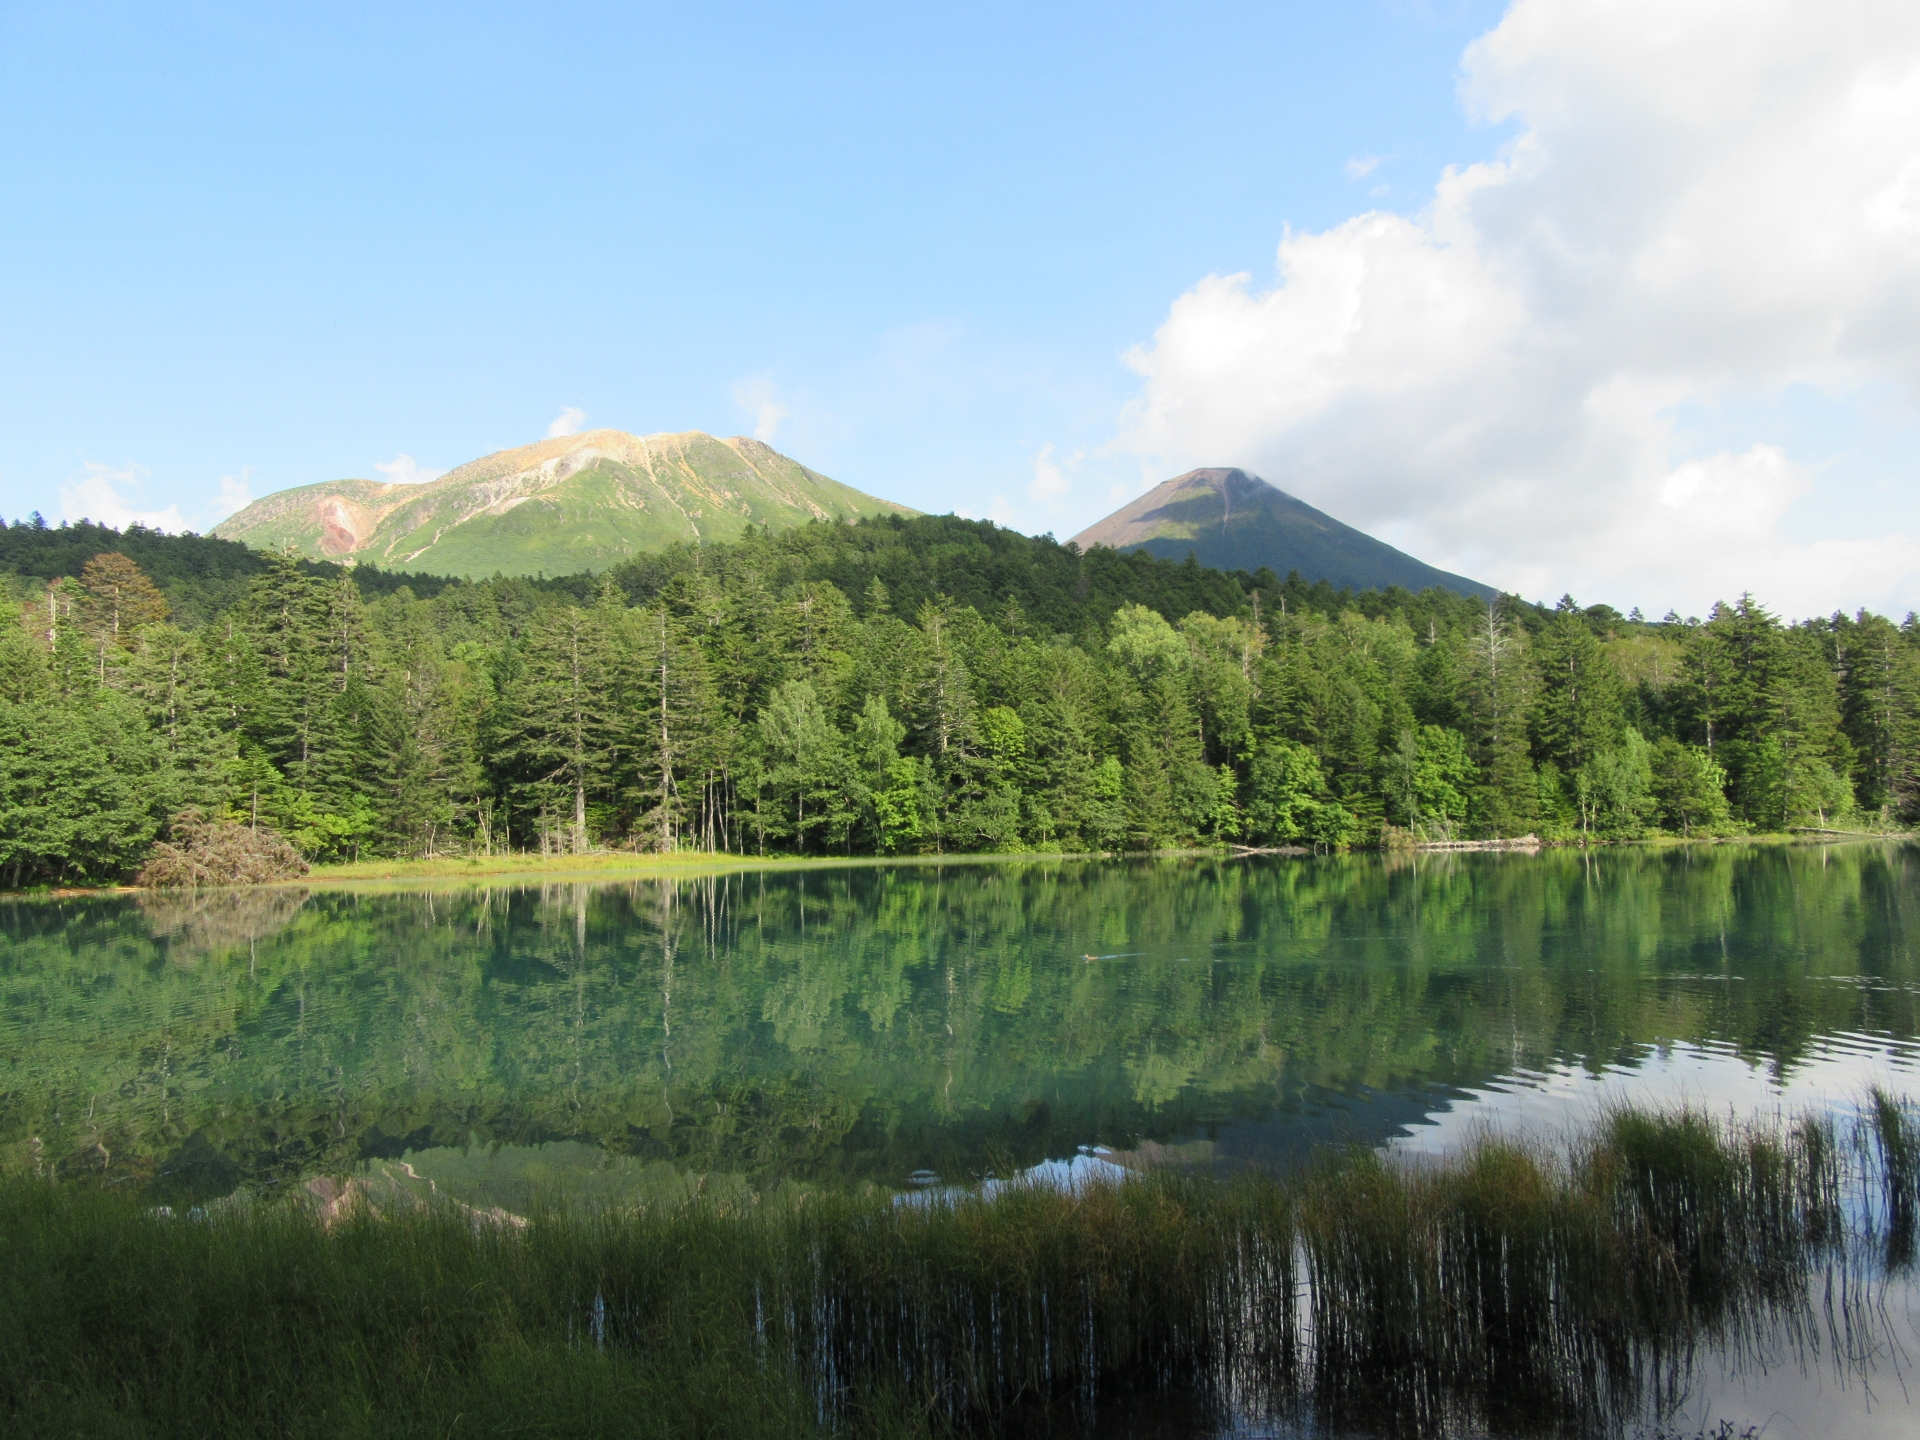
79 790
1613 789
200 575
1514 1290
1690 788
1286 799
804 793
733 697
1432 776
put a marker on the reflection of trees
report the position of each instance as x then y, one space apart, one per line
195 923
873 1020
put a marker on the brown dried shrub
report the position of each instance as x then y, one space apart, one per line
219 852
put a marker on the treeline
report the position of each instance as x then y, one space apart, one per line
903 687
199 575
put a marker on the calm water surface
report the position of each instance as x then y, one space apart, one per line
874 1026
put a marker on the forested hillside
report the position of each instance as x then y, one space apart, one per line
199 575
899 686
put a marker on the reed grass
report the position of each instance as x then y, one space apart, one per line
1512 1287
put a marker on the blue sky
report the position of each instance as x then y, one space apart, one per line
295 247
915 245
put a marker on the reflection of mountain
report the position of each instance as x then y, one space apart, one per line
874 1021
563 505
1231 520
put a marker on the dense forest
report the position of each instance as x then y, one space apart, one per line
898 687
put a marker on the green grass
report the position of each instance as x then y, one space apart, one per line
622 864
120 1324
1510 1288
608 865
601 865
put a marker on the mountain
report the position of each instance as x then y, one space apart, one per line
561 506
1231 520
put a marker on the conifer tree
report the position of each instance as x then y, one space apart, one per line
197 756
732 697
116 602
556 730
1500 686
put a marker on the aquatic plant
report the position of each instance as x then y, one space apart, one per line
1896 1136
1512 1287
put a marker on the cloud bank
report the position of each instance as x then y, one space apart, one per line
405 470
236 493
1706 203
97 496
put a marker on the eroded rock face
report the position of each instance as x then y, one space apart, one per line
343 525
559 506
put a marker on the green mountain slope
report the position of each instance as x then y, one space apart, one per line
561 506
1231 520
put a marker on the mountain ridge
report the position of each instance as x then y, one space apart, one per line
1231 519
560 505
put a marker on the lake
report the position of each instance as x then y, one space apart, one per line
921 1026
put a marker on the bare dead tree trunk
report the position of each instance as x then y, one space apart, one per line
579 748
666 752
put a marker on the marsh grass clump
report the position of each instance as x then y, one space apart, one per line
1821 1176
1896 1136
1513 1287
979 1305
1437 1293
1714 1205
258 1322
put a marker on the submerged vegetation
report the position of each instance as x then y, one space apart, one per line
898 687
1512 1287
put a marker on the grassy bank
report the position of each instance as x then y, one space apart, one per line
621 865
605 865
615 865
1509 1288
598 867
629 865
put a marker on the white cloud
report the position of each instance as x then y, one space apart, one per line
405 470
567 422
759 399
96 496
1361 166
1052 478
236 493
1707 202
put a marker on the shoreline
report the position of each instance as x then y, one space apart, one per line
615 865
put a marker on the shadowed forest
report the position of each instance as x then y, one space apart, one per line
898 687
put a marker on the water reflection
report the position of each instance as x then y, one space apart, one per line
855 1026
508 1047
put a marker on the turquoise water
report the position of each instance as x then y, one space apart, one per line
911 1026
860 1025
